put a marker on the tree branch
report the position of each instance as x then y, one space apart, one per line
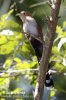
51 23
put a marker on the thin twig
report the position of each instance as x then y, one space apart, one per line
17 71
39 4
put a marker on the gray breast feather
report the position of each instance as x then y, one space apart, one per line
30 27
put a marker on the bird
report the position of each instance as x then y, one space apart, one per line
30 26
33 31
49 80
38 47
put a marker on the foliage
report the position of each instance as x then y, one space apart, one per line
18 59
58 62
17 54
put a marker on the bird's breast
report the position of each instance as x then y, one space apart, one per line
30 27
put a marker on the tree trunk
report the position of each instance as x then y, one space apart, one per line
47 47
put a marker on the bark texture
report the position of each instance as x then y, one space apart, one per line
47 47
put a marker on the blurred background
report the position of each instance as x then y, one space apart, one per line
18 61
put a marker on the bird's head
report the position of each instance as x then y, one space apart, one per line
23 15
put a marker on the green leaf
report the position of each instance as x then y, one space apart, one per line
3 39
5 16
61 42
4 83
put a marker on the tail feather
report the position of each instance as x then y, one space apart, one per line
38 47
